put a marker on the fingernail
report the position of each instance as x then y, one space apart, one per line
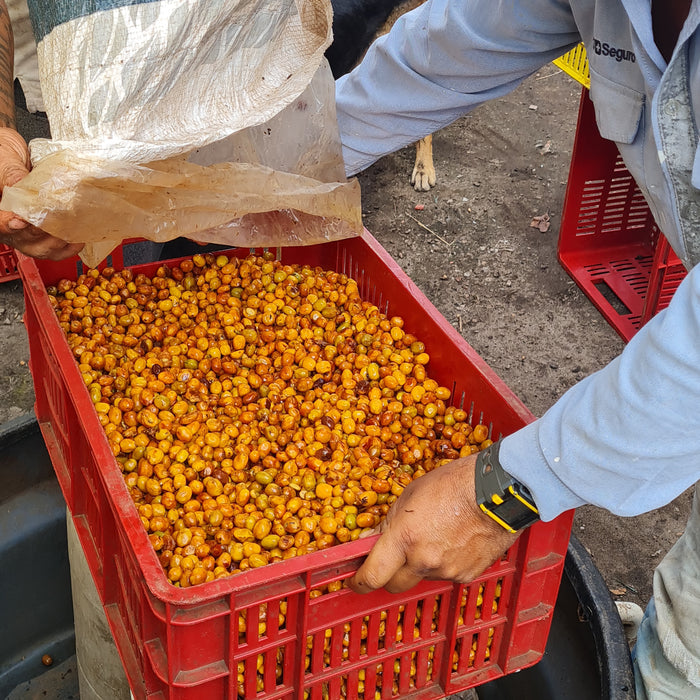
16 224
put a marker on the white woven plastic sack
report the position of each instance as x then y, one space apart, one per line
209 119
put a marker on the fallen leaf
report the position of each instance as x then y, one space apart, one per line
618 591
540 222
419 207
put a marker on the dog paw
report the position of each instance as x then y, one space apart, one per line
423 178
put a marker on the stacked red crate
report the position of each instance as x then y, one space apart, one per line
8 264
609 242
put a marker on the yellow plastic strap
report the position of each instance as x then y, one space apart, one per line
523 501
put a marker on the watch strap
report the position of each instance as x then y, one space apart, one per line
499 495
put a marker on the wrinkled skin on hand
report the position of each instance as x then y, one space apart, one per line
32 241
435 530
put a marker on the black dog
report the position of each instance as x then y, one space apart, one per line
355 26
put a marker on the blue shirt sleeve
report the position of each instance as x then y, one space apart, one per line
626 438
439 62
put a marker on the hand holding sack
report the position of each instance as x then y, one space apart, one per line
199 118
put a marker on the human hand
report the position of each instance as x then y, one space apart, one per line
15 232
435 530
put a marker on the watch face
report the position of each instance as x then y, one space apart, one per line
515 513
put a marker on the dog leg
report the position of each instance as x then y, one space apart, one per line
423 177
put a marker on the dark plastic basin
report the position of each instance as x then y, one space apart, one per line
587 656
35 595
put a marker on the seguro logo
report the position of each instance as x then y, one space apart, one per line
602 48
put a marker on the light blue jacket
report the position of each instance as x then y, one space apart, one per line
627 438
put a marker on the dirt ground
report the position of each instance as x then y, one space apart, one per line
470 247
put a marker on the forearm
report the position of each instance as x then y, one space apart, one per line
7 101
15 162
438 63
628 437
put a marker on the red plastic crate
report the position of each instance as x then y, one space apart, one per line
185 644
609 242
8 264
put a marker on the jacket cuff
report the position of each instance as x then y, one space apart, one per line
522 456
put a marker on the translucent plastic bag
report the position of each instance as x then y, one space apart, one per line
209 119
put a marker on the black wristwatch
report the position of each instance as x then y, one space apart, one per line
499 495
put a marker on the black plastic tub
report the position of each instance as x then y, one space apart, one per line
36 608
587 657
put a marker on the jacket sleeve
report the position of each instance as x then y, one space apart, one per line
439 62
626 438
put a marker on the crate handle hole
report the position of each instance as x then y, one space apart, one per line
609 295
